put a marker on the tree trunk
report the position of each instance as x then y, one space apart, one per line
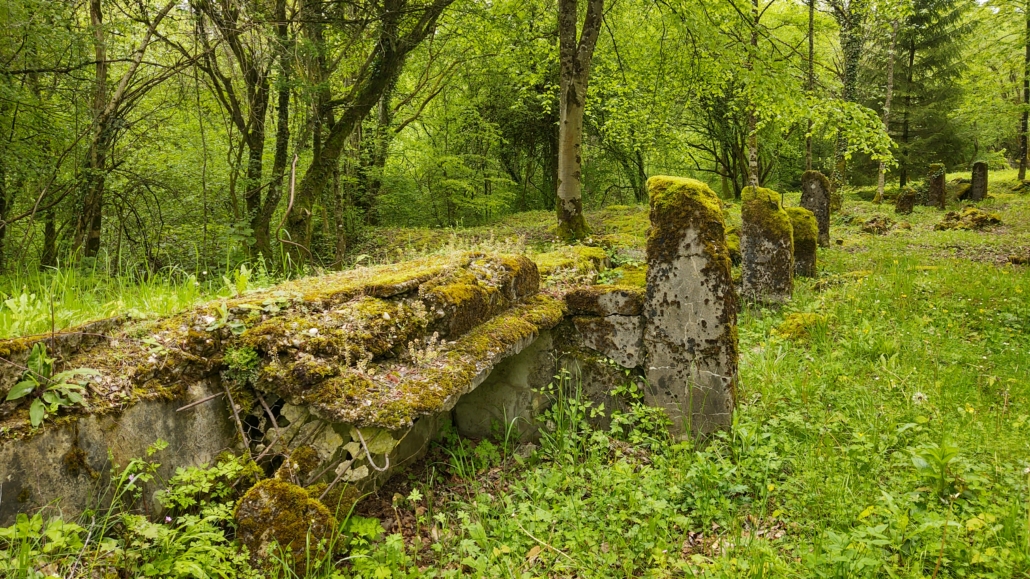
752 113
261 222
903 177
575 59
811 80
849 17
1026 99
48 258
881 172
90 221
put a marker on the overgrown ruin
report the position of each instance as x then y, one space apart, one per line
333 383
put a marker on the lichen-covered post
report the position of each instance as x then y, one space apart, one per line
815 196
935 191
978 190
806 231
690 331
766 247
906 201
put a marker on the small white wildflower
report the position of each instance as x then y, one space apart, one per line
208 319
919 398
313 331
386 315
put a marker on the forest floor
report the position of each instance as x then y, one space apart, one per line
882 430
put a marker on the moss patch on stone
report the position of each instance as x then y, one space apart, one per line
581 259
761 207
277 512
606 300
678 200
393 394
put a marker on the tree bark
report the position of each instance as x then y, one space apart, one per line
752 113
903 176
88 227
849 15
811 80
107 110
1026 99
881 171
261 222
575 59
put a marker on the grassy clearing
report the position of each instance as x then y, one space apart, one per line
887 436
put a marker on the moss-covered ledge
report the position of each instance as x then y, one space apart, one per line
297 334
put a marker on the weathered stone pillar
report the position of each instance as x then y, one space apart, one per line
815 196
935 192
906 201
806 230
978 190
690 312
766 247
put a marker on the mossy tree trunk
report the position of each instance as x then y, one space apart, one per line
108 109
1023 152
811 80
881 171
849 15
385 64
575 56
752 113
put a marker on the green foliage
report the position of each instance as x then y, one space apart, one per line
55 390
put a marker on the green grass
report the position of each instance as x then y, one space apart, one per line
893 440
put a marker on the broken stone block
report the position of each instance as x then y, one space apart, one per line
767 247
275 518
815 196
806 233
605 300
906 201
936 195
690 334
620 338
978 188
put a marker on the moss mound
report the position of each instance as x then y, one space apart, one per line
276 515
970 218
878 225
798 326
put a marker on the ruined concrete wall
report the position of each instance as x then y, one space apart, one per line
68 463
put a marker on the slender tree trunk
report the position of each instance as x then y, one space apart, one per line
850 17
48 258
1026 99
4 209
261 224
881 172
811 80
903 176
90 220
752 113
373 159
575 56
